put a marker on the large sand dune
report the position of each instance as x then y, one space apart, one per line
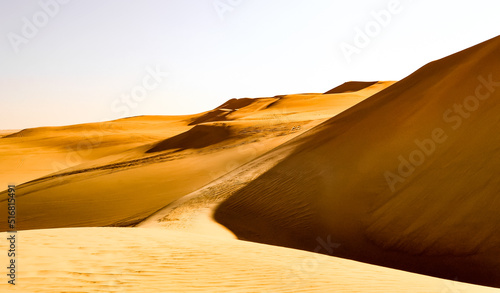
405 179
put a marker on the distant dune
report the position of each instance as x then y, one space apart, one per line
351 86
405 179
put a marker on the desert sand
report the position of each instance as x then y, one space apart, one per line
357 189
120 172
153 260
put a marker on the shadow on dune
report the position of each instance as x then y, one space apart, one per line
351 86
197 137
220 113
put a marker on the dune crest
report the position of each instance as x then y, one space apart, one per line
350 86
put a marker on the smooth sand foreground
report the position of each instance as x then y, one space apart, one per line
157 260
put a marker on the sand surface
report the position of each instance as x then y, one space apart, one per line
157 260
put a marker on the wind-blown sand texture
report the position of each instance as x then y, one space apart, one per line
154 260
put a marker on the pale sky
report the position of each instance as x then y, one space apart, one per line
76 61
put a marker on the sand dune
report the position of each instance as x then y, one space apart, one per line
126 170
194 212
397 174
153 260
33 153
405 179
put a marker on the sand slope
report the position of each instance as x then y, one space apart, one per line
36 152
154 260
117 173
350 178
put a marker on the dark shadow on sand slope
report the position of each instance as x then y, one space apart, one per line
197 137
351 86
220 113
212 116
